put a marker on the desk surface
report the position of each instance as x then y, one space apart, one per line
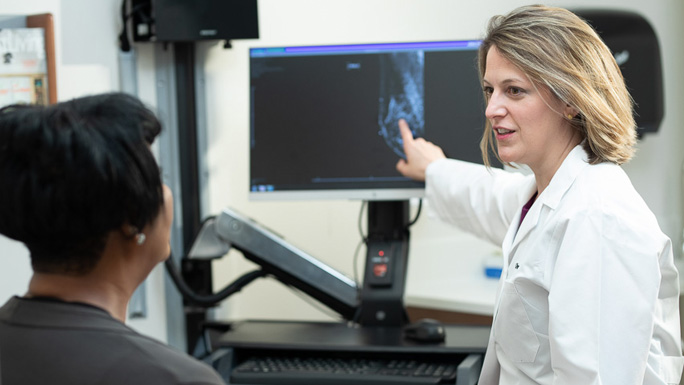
440 277
340 337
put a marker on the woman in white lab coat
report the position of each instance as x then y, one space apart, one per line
589 291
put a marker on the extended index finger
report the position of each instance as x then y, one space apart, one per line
406 134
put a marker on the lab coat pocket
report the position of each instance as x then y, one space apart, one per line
668 367
512 328
672 369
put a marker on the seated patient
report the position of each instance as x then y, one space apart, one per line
80 187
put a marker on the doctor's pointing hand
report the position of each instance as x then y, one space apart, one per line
419 154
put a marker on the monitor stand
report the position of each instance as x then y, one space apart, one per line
382 295
380 302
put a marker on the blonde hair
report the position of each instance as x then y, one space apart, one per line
558 50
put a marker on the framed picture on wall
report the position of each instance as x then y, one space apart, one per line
27 63
23 66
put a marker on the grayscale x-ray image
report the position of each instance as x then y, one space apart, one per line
401 96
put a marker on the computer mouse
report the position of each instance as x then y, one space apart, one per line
425 330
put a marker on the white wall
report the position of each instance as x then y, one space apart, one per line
86 33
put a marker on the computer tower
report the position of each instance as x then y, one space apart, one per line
193 20
635 46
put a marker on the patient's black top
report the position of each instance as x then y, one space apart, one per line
46 341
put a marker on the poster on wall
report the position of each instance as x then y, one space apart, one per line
23 66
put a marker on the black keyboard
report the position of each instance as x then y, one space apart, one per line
340 371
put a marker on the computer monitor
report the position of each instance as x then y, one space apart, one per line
324 118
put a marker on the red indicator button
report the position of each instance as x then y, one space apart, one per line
380 269
381 253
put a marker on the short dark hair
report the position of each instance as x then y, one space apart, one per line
73 172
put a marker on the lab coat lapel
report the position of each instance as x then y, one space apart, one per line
515 234
549 199
528 224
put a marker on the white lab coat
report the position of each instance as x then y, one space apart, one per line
589 291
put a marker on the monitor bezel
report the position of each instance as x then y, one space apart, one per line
353 194
378 194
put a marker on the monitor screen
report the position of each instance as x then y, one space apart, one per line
324 119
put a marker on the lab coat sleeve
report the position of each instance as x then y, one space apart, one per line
478 200
602 297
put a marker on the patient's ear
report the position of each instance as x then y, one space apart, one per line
133 234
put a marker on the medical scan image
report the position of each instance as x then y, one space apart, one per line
401 96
